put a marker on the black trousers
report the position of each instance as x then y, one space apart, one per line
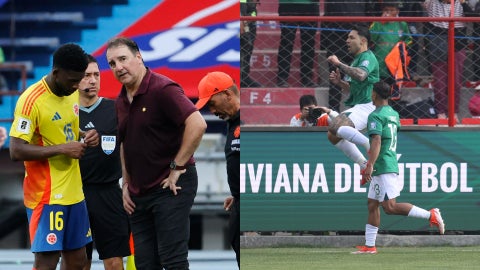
160 225
234 228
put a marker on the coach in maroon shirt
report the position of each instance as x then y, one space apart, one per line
159 130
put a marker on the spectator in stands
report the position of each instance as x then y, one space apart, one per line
3 81
385 35
101 170
474 104
45 134
159 129
360 75
288 30
413 8
303 118
248 34
3 136
437 49
476 47
333 35
218 91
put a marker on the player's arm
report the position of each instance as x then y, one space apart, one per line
355 73
128 204
375 143
195 127
22 150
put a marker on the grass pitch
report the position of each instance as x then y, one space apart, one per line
387 258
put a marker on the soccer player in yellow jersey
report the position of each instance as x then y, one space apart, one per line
45 135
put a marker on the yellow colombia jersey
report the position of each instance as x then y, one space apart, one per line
42 118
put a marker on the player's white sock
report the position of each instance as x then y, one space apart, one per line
352 152
419 213
353 135
370 235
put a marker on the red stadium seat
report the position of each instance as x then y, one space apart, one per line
471 121
432 121
406 121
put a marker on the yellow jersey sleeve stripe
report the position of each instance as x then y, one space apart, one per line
30 100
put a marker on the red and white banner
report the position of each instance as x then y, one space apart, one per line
184 40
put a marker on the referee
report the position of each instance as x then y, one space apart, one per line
101 171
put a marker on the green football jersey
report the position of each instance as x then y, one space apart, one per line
384 121
361 92
385 35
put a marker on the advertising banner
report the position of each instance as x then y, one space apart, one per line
298 181
183 40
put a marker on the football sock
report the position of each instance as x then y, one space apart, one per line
353 135
370 235
352 152
418 212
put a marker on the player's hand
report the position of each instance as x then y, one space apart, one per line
333 59
367 174
128 204
227 204
91 138
171 180
74 149
334 76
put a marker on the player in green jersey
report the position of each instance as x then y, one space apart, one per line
382 171
344 130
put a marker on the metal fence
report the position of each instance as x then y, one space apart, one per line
289 59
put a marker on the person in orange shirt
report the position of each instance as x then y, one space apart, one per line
305 119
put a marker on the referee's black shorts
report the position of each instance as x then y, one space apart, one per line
108 220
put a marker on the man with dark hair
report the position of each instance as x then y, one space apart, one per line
303 118
382 171
219 92
45 134
333 34
101 170
159 129
344 131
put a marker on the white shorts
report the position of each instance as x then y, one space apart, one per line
384 187
359 114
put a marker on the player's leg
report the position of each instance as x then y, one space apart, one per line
347 147
46 243
109 223
375 194
74 259
77 236
391 207
114 263
89 251
46 260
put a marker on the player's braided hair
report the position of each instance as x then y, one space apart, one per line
70 56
